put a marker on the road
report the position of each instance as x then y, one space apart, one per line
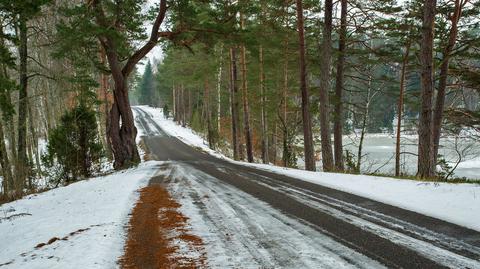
251 218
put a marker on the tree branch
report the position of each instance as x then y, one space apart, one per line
139 54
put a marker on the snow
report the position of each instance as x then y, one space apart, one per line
455 203
100 205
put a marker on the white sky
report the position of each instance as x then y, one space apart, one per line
155 53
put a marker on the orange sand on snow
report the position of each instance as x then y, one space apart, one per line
155 223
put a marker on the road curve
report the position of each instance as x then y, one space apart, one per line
341 228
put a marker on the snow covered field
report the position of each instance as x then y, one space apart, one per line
81 224
456 203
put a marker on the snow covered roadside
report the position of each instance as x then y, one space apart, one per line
455 203
77 226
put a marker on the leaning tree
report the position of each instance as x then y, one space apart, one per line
117 28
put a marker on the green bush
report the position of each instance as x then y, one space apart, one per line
73 146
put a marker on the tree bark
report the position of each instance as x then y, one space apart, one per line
234 105
442 81
183 106
121 128
286 153
246 109
339 81
219 88
307 121
327 155
174 102
5 163
426 166
210 138
263 113
22 160
403 73
34 136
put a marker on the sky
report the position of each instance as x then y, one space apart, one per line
155 53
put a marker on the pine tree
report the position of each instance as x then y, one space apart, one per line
146 88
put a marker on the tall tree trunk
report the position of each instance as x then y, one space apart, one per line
219 88
104 106
210 138
339 81
362 137
121 128
426 166
286 154
307 121
174 102
234 105
403 73
246 109
122 137
5 163
263 110
327 155
442 81
274 143
21 168
34 136
183 106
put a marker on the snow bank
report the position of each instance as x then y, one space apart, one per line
456 203
80 224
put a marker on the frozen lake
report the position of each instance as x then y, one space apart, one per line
379 154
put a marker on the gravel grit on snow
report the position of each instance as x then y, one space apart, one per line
81 225
455 203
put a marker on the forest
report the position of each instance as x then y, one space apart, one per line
281 82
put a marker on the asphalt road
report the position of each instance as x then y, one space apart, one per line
391 236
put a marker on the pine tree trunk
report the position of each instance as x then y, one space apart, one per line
234 105
246 109
21 168
104 105
283 114
274 143
211 142
5 163
121 130
183 106
34 136
307 121
327 155
426 166
362 138
174 102
122 138
442 81
263 112
403 73
338 119
219 88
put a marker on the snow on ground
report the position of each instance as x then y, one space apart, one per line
88 219
456 203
